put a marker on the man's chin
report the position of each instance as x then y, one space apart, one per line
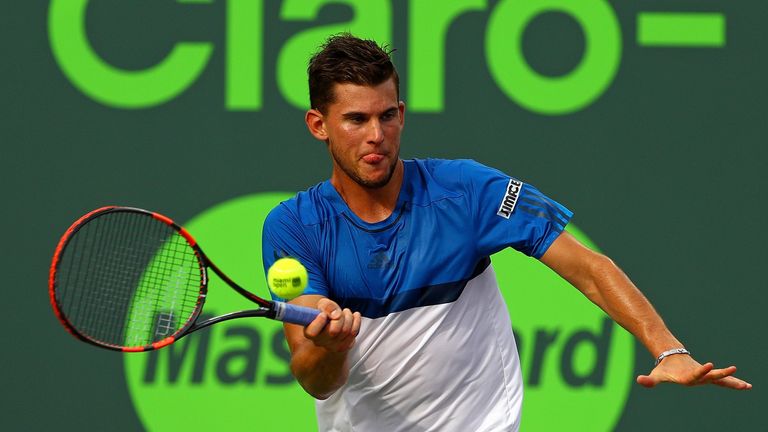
370 177
376 180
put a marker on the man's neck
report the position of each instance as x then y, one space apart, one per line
369 204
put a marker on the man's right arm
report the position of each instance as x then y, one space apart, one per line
319 350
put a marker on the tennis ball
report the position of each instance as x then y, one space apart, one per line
287 278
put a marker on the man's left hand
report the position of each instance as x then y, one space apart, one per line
684 370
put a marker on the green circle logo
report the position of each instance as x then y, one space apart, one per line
574 358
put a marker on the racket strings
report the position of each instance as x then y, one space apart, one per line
160 314
127 279
109 297
137 250
83 257
92 296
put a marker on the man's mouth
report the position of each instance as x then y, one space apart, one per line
373 158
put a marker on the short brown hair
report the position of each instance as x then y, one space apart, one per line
344 58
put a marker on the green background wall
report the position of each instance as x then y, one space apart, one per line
666 170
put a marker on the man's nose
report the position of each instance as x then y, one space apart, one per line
375 132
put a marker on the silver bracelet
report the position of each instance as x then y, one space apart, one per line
666 354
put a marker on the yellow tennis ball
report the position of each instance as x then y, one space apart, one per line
287 278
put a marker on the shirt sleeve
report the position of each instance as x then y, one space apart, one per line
509 213
283 235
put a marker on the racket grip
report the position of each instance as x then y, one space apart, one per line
295 314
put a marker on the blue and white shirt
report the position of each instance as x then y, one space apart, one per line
436 349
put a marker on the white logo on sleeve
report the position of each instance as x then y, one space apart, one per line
510 198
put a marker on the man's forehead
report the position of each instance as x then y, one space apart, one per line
349 97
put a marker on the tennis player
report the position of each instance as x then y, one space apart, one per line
414 334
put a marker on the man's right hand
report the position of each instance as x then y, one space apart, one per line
334 329
319 350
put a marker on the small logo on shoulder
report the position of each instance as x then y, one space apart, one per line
510 198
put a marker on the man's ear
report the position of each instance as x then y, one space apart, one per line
316 124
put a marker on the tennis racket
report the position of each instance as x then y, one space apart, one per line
132 280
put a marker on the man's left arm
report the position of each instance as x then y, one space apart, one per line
606 285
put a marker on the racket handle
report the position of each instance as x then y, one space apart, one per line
295 314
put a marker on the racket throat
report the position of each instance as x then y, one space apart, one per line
261 312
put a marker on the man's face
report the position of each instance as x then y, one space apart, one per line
362 128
